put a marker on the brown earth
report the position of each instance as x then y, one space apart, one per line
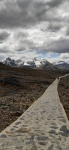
19 88
63 89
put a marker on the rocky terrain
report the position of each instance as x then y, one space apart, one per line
63 90
19 88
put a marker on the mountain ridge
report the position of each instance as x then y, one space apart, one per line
37 63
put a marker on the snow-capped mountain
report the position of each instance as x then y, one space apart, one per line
61 65
43 64
10 62
58 62
19 63
36 63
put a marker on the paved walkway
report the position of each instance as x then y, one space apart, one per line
44 126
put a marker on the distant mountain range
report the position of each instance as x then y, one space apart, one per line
61 65
37 63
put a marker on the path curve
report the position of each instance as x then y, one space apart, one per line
44 126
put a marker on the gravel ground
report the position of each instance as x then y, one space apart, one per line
63 89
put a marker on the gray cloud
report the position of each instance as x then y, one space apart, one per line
20 35
4 35
54 3
21 13
56 46
67 31
54 27
4 50
25 13
60 46
39 25
25 44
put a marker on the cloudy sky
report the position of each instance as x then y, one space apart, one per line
34 28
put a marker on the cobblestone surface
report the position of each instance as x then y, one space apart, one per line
44 126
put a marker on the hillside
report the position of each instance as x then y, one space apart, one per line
19 88
63 90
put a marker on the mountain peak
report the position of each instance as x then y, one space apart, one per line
37 63
61 65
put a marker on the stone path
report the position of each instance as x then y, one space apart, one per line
44 126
